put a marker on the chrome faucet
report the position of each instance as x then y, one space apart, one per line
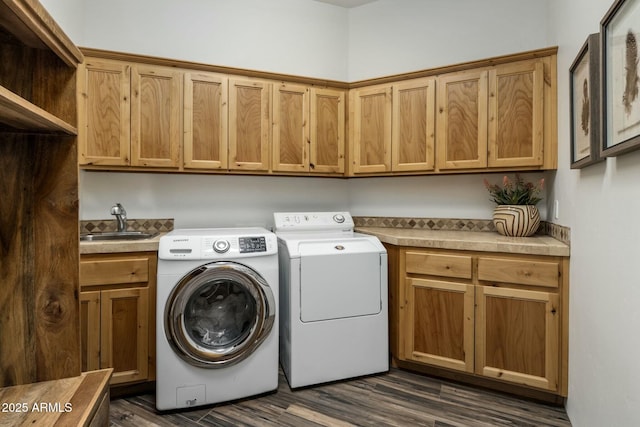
121 217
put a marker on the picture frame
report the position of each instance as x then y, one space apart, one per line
620 79
584 87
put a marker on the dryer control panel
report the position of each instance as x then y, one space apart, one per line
313 221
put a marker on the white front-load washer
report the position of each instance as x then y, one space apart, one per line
333 299
217 316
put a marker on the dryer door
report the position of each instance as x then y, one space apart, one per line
218 314
339 279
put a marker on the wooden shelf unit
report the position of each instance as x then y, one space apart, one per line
39 249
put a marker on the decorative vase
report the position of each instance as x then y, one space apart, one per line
516 220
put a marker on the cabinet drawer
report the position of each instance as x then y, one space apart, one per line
524 272
438 264
114 271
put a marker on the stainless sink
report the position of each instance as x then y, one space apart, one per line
116 235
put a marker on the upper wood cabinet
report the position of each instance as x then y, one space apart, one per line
462 120
156 119
308 129
497 114
327 130
516 114
495 117
290 128
370 129
393 127
249 124
206 109
104 103
413 125
130 115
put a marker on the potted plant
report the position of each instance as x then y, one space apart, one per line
516 213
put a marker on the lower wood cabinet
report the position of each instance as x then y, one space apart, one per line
494 316
117 316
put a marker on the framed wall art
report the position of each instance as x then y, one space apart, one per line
619 37
584 76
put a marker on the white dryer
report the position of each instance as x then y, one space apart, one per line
217 316
333 299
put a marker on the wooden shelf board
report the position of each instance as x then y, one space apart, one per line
29 21
20 114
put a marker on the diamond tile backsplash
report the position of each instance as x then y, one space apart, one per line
556 231
108 225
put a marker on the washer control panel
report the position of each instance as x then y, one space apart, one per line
252 244
217 243
313 221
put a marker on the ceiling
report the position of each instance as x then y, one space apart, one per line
347 3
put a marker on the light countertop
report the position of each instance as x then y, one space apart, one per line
482 241
116 246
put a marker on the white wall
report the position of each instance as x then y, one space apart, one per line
396 36
207 200
305 38
599 203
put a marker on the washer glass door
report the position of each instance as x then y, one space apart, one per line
218 314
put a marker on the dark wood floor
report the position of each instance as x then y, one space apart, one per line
398 398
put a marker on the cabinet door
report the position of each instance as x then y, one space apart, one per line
249 124
90 330
438 323
516 114
290 128
156 112
413 125
104 112
517 333
371 138
124 332
461 128
205 121
327 130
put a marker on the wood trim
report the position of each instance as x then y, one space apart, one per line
21 114
92 325
198 66
502 59
551 113
563 363
85 394
496 60
31 23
